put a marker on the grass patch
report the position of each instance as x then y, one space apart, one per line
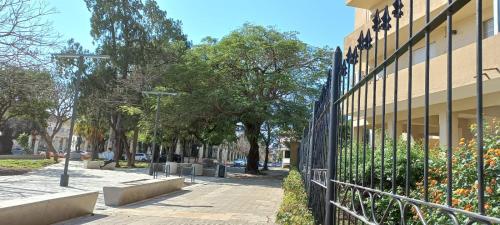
25 163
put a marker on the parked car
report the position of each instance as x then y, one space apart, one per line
240 163
141 157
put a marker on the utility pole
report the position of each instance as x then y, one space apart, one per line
81 57
155 129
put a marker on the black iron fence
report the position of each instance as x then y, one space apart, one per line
360 165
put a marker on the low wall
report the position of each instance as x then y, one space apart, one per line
22 157
133 191
47 209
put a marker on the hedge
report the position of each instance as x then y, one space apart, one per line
293 209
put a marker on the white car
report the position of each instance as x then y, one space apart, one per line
141 157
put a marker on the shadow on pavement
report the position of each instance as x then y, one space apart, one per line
83 220
156 200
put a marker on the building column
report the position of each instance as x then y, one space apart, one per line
390 128
443 128
496 16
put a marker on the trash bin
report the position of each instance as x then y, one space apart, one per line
221 171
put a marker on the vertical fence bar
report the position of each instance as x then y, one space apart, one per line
360 47
410 80
449 108
479 110
386 25
346 125
311 150
376 28
330 217
367 45
353 62
397 13
426 104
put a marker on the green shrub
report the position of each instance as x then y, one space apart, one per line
464 175
293 209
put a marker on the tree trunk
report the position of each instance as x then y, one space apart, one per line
134 145
266 158
252 132
50 146
126 148
118 143
33 140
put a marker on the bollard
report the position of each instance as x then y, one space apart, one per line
167 170
193 174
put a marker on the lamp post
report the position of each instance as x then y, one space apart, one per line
65 177
155 129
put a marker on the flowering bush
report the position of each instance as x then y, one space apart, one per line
464 170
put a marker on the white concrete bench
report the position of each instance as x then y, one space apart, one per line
47 209
133 191
198 169
88 164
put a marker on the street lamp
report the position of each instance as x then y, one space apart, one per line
158 95
65 177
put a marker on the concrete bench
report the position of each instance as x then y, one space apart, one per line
47 209
87 164
173 167
133 191
198 169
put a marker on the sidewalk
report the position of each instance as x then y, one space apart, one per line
239 199
46 181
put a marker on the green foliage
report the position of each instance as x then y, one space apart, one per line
23 141
293 209
253 75
464 183
464 172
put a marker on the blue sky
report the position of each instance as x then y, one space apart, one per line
319 22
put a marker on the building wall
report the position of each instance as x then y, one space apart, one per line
464 71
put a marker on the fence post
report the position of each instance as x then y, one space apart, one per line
330 209
310 152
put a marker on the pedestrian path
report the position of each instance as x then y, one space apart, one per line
46 181
239 199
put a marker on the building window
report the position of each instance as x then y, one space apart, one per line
488 28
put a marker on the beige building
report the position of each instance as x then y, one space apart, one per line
60 139
464 68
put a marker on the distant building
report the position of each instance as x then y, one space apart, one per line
60 139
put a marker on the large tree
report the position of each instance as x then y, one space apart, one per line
263 70
251 76
24 95
141 41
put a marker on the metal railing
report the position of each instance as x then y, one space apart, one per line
354 175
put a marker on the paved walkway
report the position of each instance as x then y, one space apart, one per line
240 199
46 181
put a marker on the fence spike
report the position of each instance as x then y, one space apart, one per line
376 21
361 41
398 8
386 19
367 40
